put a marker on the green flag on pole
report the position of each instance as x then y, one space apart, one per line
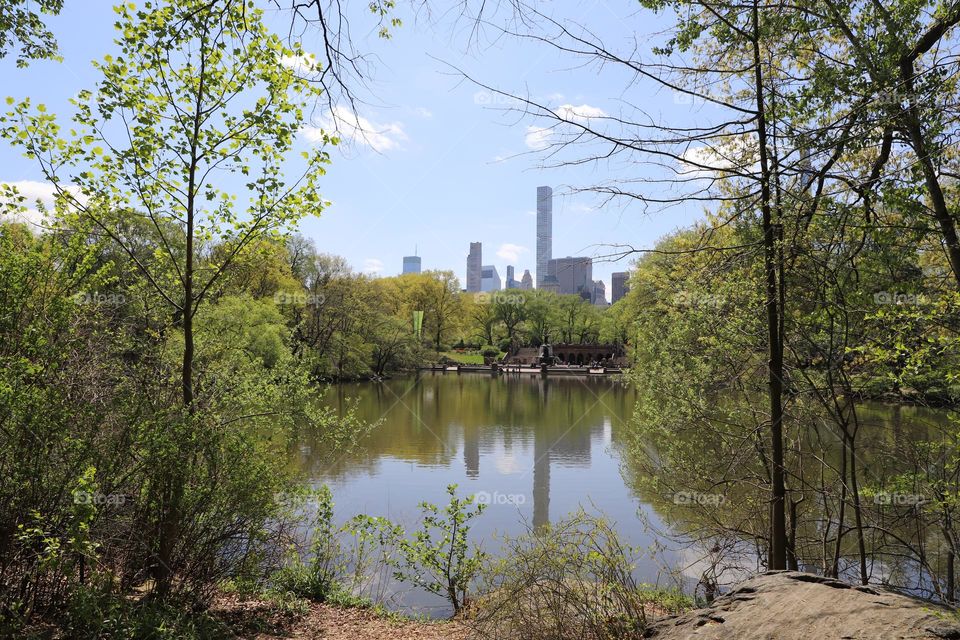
418 323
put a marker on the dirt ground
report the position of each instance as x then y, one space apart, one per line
256 621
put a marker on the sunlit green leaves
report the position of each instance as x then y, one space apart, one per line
195 92
22 29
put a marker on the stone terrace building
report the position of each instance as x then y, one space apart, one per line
609 355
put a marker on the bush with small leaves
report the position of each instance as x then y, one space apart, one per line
570 580
439 557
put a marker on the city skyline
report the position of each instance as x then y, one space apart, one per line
403 178
568 276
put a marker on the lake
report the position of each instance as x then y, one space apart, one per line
533 448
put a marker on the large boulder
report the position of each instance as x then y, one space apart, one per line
789 605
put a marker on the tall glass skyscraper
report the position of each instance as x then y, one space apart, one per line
544 231
474 262
619 283
411 264
574 275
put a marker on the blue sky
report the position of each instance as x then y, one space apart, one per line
444 163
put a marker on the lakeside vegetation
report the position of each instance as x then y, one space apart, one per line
352 326
164 336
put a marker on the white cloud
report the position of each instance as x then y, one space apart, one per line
511 252
553 97
356 128
373 266
303 63
423 112
582 208
507 464
33 192
579 113
711 161
538 138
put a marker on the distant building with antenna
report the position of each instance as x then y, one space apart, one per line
411 264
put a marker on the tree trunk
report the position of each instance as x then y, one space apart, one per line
912 123
778 534
792 561
950 576
858 513
841 509
170 523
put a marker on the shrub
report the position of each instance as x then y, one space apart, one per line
317 577
569 580
98 453
439 558
98 611
489 351
373 550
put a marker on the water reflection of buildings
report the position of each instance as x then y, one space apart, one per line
471 453
565 441
524 428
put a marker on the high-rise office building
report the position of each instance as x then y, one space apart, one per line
544 231
510 283
574 275
489 278
526 282
411 264
618 284
550 283
599 293
474 261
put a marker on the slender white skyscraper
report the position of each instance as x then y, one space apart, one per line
544 231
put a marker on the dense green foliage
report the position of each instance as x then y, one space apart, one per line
349 325
93 432
148 397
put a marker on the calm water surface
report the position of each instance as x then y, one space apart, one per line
534 448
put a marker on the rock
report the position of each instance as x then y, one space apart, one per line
789 605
